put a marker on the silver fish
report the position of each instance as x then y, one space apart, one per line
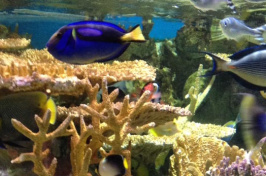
206 5
256 1
248 67
236 29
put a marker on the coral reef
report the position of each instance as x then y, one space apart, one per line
193 155
108 123
238 167
38 70
14 43
209 130
98 129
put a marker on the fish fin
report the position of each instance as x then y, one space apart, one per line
230 124
247 84
116 55
153 132
125 163
74 34
135 35
259 36
247 51
50 104
263 94
217 61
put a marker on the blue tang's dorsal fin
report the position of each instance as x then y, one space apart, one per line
247 51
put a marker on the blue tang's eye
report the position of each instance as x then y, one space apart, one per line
59 35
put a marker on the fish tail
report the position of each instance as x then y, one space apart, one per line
217 64
50 104
231 5
135 35
259 34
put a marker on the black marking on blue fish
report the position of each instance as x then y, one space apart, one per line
231 5
247 51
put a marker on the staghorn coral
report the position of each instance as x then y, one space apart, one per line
117 123
14 43
38 70
39 138
193 155
81 152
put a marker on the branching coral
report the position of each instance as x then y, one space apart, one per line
80 151
118 124
39 138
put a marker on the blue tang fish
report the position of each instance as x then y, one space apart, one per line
91 41
248 67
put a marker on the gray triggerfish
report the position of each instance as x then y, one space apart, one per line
91 41
113 165
206 5
247 66
236 29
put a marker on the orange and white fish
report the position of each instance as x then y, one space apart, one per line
155 95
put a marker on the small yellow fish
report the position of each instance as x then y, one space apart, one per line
23 107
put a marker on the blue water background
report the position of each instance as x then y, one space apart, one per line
43 27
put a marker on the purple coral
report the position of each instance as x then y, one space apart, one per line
238 168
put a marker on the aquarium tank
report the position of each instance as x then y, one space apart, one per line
134 88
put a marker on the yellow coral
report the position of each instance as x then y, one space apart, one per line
14 43
194 154
38 70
